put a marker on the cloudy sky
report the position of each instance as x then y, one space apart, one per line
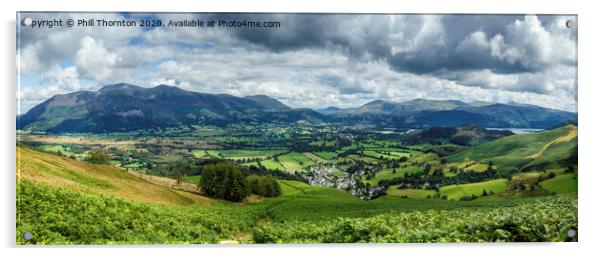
312 60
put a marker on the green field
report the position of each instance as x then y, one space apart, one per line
236 154
354 157
290 162
204 153
411 193
194 179
272 165
387 174
565 183
326 154
295 161
314 157
455 192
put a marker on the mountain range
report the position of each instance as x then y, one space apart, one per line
125 107
423 113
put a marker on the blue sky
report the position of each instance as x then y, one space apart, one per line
312 60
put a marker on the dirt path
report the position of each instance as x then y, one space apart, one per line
569 136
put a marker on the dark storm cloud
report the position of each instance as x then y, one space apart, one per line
413 43
355 34
450 54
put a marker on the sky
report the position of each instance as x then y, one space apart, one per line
311 60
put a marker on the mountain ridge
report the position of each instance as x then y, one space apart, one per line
127 107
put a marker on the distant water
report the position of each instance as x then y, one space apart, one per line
517 130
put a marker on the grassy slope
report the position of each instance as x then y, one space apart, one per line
64 201
565 183
455 192
65 216
56 171
524 149
411 193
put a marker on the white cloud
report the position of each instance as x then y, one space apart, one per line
54 81
350 61
315 78
42 48
525 42
94 61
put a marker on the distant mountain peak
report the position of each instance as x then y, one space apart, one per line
480 103
167 87
329 110
378 102
257 96
118 86
419 100
268 102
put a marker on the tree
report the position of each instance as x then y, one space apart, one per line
180 169
98 157
570 169
224 181
453 169
265 186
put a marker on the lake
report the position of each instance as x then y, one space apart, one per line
517 130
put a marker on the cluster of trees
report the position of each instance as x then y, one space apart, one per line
248 160
263 171
98 156
226 181
437 196
468 198
524 184
265 186
178 170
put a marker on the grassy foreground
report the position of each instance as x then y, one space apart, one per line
63 201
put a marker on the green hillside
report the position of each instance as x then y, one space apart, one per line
455 192
63 172
543 149
565 183
64 201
